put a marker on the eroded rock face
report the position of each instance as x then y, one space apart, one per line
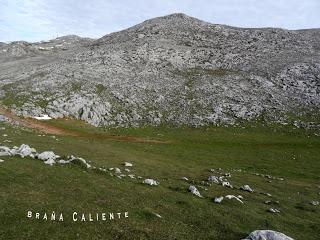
267 235
174 69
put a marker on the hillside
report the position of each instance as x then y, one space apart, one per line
169 70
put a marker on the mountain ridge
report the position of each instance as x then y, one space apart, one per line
174 69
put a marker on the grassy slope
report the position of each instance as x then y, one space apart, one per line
292 154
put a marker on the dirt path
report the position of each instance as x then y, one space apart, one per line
35 124
46 128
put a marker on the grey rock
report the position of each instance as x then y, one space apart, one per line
127 164
213 179
47 155
314 203
174 69
194 191
273 210
218 199
267 235
151 182
238 198
247 188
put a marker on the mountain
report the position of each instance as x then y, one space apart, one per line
168 70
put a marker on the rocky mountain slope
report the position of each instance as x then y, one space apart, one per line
174 69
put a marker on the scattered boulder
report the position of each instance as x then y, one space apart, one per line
151 182
194 191
218 199
25 150
185 178
267 235
226 184
47 155
5 151
50 162
247 188
157 215
127 164
314 203
234 197
273 210
1 160
213 179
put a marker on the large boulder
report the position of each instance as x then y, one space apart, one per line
47 155
5 151
151 182
25 150
267 235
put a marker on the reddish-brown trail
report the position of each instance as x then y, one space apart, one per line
46 128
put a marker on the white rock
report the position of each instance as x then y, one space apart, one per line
50 162
234 197
246 188
218 199
267 235
44 117
1 160
226 184
157 215
213 179
24 150
64 161
273 210
47 155
127 170
131 176
151 182
127 164
84 162
117 170
194 190
314 203
185 178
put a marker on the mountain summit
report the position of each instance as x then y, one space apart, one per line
173 69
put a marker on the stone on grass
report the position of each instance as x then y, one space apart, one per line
50 162
1 160
151 182
24 150
127 164
267 235
218 199
234 197
226 184
213 179
273 210
246 188
5 151
314 203
157 215
47 155
194 190
185 178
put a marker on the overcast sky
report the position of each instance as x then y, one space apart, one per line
34 20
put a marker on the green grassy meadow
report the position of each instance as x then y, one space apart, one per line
281 151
